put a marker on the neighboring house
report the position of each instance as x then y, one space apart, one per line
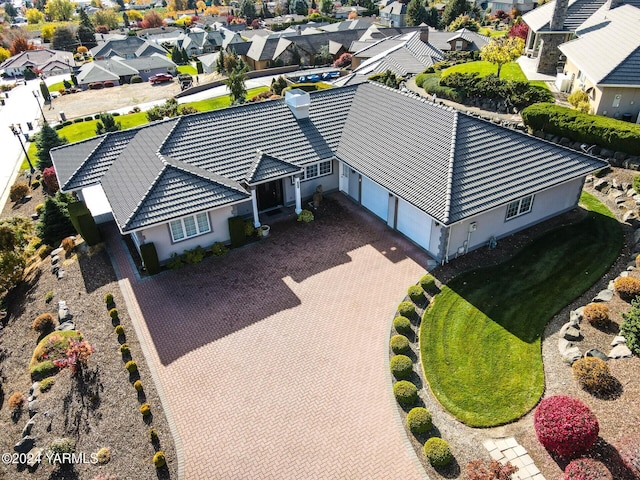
345 11
128 47
356 24
407 54
448 181
460 40
209 62
50 62
196 41
604 61
122 69
507 5
394 15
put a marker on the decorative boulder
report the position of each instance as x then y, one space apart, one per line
620 351
571 355
572 333
603 296
600 184
618 340
594 352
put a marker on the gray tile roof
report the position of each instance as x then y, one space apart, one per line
608 47
578 11
266 167
38 58
129 46
446 163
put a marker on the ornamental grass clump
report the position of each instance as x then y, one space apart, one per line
627 287
399 344
419 420
586 469
593 375
401 367
438 452
565 426
597 314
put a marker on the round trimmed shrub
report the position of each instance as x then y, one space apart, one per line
18 191
419 420
402 325
44 323
399 344
153 435
16 400
428 283
416 293
113 313
406 393
124 349
401 366
586 469
627 287
137 385
629 450
108 299
131 366
593 374
597 314
407 309
145 409
159 459
565 426
104 455
119 330
438 452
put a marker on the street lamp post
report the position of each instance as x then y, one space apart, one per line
35 94
17 131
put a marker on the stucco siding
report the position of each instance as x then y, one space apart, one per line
492 223
161 236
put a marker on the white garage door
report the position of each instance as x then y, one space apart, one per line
375 198
414 223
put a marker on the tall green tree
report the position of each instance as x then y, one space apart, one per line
106 124
46 139
433 18
55 223
416 13
237 86
176 56
63 39
61 10
185 56
453 10
84 19
326 7
299 7
220 62
248 11
125 19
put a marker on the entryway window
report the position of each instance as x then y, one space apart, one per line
317 169
188 227
519 207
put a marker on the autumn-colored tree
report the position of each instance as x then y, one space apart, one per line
201 6
4 54
502 51
152 20
34 16
177 5
47 31
19 45
519 29
107 17
61 10
134 15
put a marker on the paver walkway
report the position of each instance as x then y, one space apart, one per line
272 359
509 450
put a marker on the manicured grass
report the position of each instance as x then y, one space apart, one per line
480 340
490 32
187 69
221 102
56 87
509 71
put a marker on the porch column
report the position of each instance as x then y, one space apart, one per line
296 183
254 204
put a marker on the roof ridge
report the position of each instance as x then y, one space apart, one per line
620 64
202 173
452 153
145 195
84 162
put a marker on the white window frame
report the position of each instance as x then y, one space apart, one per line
305 176
180 222
519 207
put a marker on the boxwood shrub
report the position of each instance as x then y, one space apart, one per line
416 293
438 452
406 393
407 309
399 344
583 127
428 283
419 420
402 325
401 367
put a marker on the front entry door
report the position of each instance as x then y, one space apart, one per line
269 195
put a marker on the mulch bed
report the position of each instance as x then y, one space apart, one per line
617 415
102 408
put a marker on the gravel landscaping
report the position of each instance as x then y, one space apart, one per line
100 409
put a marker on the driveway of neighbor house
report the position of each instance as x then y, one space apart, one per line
274 359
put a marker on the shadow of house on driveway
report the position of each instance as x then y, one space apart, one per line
199 304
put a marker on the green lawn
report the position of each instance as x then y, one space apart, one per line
509 71
187 69
480 340
56 87
221 102
490 32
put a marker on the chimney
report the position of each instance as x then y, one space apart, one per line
298 30
424 34
559 15
298 101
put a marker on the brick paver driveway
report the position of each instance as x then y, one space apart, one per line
273 359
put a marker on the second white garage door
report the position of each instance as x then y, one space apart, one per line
414 223
375 198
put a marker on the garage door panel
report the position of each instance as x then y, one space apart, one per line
375 198
414 223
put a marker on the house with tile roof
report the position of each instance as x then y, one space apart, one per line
394 14
120 70
49 62
448 181
604 61
127 47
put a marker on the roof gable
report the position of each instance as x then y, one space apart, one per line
266 167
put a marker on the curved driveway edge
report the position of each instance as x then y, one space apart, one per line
273 360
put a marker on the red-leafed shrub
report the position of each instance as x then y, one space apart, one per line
478 470
586 469
520 30
565 426
343 60
629 450
50 179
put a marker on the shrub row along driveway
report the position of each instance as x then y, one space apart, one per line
273 358
501 312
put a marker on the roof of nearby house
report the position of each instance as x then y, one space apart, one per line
608 47
209 59
395 8
356 24
93 72
473 38
270 48
150 62
444 162
130 46
38 59
403 55
578 11
116 66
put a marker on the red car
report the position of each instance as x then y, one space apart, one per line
160 78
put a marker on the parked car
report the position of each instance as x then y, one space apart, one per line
160 78
109 84
96 86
